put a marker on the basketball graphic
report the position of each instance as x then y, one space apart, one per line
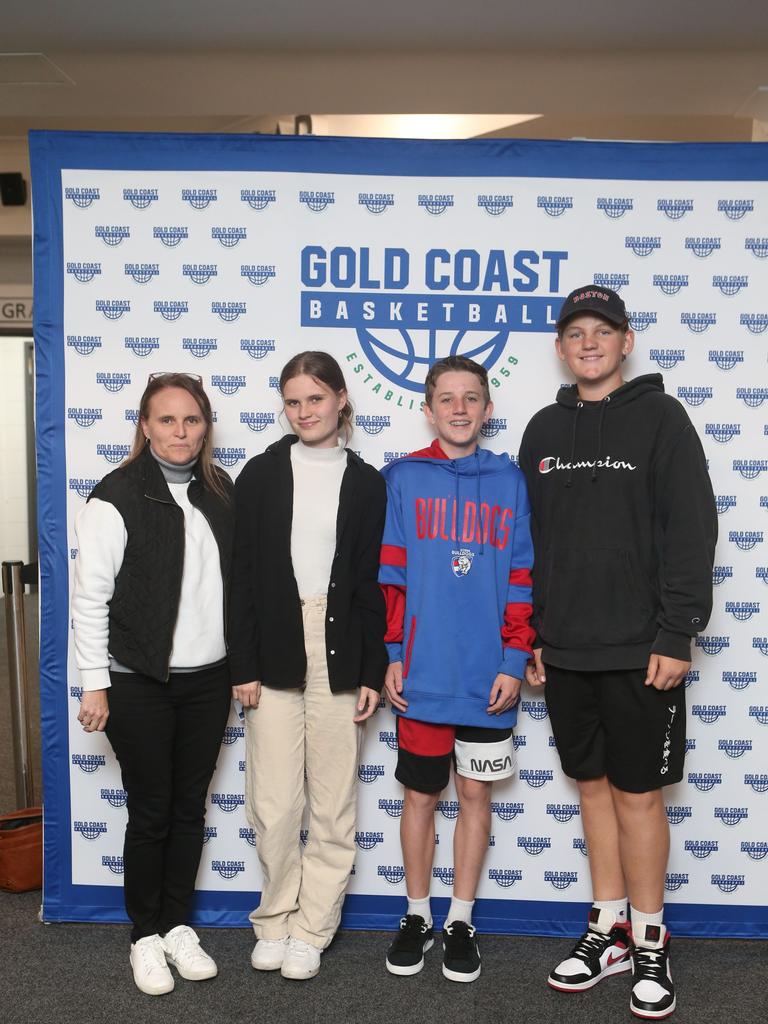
404 356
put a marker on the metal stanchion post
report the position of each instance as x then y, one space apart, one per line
13 589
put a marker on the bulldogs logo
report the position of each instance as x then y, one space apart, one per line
461 561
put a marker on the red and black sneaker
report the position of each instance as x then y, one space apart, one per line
653 994
603 949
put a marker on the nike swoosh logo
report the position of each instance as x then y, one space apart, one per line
616 959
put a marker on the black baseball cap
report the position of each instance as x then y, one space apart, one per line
593 298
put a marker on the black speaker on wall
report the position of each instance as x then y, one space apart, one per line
13 190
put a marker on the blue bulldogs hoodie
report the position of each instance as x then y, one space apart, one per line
456 573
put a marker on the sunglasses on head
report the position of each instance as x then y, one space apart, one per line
174 373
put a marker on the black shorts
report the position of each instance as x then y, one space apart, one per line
610 723
426 750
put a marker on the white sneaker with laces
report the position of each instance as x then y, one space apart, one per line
268 954
301 961
184 952
653 991
150 970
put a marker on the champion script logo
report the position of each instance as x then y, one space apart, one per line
554 462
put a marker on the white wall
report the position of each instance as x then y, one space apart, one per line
14 539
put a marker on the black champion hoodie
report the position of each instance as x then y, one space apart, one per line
624 527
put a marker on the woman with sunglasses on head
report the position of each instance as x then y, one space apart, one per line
307 657
151 574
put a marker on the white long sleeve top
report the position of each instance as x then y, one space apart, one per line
198 637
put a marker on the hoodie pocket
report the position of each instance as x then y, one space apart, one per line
597 597
409 647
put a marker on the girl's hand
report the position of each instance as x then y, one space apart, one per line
248 694
366 704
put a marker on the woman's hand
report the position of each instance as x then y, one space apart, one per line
366 704
94 710
248 694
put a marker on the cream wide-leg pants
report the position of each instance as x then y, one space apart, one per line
289 731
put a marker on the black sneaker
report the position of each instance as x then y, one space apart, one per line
653 994
603 949
406 954
461 957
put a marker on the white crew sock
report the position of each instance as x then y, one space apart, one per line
460 910
422 908
641 921
617 907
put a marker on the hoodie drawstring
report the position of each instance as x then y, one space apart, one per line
477 502
456 485
569 479
476 458
603 407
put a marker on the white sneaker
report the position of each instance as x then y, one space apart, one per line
301 960
268 954
150 970
184 952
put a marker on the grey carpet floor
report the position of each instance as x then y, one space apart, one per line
79 974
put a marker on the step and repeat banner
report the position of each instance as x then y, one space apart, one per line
226 255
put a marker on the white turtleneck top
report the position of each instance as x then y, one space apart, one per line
317 474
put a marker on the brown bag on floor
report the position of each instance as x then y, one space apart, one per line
21 850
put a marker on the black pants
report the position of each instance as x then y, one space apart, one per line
166 737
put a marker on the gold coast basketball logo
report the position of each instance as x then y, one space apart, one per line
409 308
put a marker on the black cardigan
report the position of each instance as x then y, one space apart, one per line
266 633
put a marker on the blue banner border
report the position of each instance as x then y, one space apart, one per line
382 913
481 158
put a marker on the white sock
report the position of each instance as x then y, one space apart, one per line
641 921
617 907
460 910
422 908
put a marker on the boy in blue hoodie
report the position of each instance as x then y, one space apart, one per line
456 574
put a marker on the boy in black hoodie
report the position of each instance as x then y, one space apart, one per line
624 528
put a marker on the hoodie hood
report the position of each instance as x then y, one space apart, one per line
568 394
480 463
568 397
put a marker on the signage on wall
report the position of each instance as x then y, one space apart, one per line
15 309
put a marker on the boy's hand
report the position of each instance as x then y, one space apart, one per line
393 686
534 670
666 673
504 694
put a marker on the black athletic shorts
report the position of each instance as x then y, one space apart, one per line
425 752
610 723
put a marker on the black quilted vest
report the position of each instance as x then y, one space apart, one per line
145 604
